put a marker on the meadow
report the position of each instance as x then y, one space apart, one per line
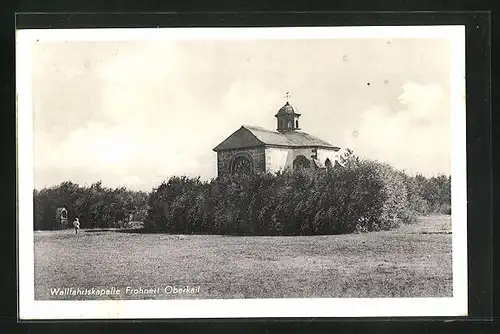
413 260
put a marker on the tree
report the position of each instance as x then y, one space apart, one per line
96 206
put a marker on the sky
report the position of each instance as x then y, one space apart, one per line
134 113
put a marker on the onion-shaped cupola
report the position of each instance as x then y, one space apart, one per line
287 117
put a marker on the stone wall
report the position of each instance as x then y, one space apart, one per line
225 158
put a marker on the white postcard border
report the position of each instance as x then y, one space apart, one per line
240 308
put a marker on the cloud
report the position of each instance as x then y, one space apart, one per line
415 138
151 125
136 140
145 111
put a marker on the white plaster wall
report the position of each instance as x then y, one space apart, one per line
280 158
307 152
327 154
277 158
322 154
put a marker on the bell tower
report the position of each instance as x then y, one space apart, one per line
287 117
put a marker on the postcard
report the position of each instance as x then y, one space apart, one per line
241 172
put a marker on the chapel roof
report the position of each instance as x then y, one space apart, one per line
255 136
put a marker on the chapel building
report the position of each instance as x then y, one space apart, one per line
252 149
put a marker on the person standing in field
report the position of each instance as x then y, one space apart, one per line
76 225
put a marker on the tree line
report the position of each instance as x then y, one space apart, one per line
96 206
363 195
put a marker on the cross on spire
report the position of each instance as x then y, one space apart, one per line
287 96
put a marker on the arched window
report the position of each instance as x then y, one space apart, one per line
328 163
242 164
301 162
297 123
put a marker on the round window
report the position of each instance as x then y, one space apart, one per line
241 164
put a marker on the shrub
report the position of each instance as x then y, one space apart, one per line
372 197
361 196
428 195
171 204
364 196
442 209
96 206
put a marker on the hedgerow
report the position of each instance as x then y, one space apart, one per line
96 206
361 196
368 196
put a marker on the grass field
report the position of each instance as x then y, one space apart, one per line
412 261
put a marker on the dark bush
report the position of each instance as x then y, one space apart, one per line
364 196
428 195
361 196
96 206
